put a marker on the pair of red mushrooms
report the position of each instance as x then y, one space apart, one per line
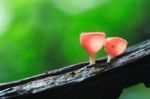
92 42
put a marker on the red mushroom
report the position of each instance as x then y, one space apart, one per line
115 46
92 42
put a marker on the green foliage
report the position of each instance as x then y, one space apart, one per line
41 35
136 92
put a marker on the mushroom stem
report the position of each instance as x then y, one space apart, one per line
109 58
92 59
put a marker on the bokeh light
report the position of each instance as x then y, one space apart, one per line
42 35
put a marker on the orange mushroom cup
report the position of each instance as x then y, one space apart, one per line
115 46
92 42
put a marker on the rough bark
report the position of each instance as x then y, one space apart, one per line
81 81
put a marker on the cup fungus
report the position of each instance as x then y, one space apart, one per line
92 42
115 46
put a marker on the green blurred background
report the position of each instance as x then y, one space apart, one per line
42 35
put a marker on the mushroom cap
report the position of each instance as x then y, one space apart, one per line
115 46
92 42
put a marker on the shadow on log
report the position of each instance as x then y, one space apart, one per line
81 81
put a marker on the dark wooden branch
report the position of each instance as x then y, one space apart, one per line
99 81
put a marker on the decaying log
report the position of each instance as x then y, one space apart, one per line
81 81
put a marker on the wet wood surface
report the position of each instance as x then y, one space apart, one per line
82 81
